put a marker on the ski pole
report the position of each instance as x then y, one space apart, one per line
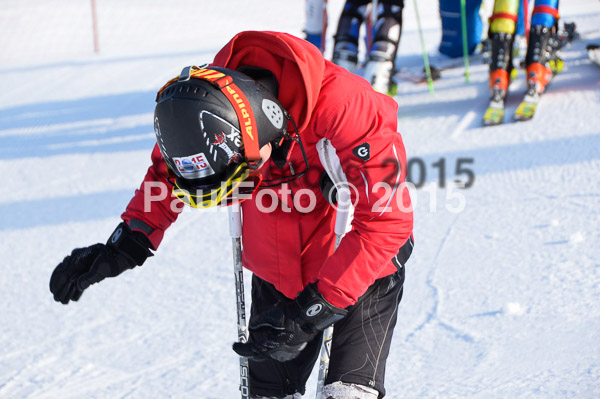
463 21
328 332
425 57
235 231
371 22
526 18
332 166
324 28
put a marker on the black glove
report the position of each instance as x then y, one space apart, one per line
282 332
85 266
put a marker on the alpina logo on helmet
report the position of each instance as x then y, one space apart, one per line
247 117
239 102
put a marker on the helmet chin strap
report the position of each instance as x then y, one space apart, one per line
295 175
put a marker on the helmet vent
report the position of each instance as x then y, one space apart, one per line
273 112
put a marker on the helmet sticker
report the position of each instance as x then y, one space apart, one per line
193 166
219 133
273 112
234 137
220 142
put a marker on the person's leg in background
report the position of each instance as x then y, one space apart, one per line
381 62
451 44
502 34
316 23
541 61
345 50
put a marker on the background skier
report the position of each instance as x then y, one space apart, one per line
383 39
541 60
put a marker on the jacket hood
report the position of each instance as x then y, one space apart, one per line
298 66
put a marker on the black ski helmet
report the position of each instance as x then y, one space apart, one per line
210 123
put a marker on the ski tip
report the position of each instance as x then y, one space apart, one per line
493 116
524 112
522 118
487 123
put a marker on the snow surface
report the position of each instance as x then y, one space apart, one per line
502 295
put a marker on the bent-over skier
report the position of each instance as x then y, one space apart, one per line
270 98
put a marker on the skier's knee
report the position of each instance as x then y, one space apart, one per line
343 390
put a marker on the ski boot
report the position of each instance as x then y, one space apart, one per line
499 80
379 67
345 49
502 56
345 54
501 74
542 60
378 70
542 63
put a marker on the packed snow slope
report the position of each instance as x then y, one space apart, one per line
502 296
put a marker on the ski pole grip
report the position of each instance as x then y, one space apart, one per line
235 220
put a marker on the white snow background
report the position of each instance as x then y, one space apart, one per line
502 297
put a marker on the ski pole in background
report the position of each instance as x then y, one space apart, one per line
463 22
331 163
235 231
316 23
371 22
374 12
95 27
324 24
425 57
526 18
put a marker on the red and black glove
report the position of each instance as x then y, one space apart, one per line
124 250
282 332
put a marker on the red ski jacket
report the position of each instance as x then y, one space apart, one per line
288 236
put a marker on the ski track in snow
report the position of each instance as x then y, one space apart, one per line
433 316
501 298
